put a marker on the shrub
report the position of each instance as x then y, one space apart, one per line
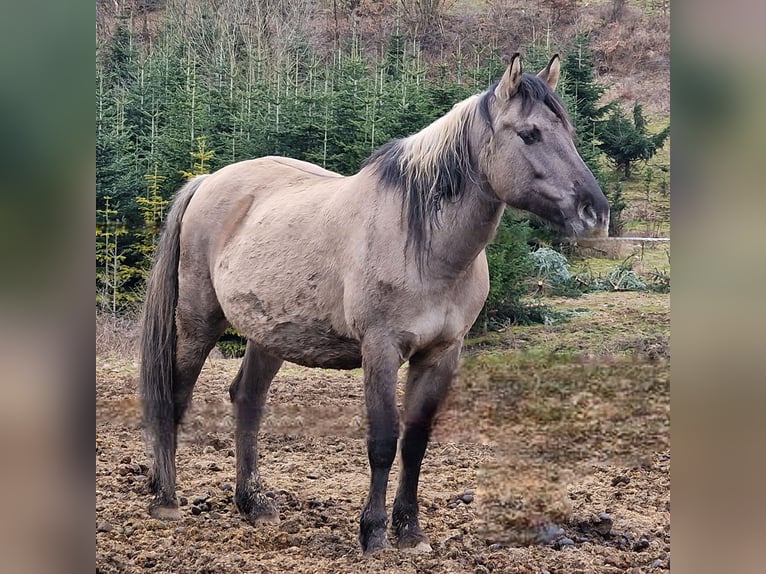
510 266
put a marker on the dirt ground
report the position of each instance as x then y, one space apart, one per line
555 461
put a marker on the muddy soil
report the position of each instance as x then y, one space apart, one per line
536 465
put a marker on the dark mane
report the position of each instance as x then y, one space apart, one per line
439 174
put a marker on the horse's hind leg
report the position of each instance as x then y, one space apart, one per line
248 393
429 379
199 322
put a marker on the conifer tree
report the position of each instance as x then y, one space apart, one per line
626 140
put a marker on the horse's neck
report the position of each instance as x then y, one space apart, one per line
466 227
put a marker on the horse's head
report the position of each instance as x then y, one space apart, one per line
530 160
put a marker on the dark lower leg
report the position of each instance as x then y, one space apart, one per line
427 385
405 514
380 363
373 523
248 392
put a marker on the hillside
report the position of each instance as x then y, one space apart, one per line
185 87
630 38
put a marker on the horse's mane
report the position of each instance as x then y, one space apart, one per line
435 165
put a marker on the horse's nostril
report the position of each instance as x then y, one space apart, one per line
587 212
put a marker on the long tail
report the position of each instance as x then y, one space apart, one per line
158 333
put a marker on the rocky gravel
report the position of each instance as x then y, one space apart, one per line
504 488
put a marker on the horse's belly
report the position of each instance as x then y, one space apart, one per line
312 344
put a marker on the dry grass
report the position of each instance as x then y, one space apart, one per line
116 336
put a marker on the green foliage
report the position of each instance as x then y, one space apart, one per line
619 278
200 156
581 86
111 272
616 206
231 344
551 266
510 265
625 140
199 98
152 206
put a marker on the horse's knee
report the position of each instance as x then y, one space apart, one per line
382 451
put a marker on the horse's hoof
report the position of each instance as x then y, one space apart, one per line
373 549
420 548
258 510
269 519
165 511
411 539
374 543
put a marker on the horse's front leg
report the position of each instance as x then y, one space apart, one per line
429 378
380 362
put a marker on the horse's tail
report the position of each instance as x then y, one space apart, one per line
158 332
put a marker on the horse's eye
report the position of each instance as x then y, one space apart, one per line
530 136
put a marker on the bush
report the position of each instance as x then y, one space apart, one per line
510 266
231 344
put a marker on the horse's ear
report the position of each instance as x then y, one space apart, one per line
509 83
551 72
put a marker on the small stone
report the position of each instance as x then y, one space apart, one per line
495 547
214 515
622 479
312 476
196 510
641 544
604 524
183 501
227 486
467 498
455 504
270 494
657 563
291 527
564 542
200 500
104 526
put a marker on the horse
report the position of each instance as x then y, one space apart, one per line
372 270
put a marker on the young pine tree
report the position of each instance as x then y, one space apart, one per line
626 140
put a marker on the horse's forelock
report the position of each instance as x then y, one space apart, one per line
532 89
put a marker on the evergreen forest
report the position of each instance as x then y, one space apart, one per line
185 88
